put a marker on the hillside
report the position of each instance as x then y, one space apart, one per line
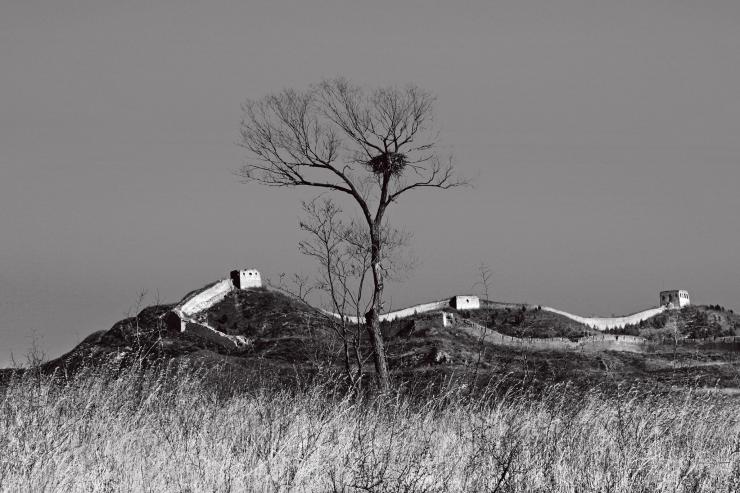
279 328
528 321
287 337
693 322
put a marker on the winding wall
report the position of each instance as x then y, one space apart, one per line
589 343
205 298
403 313
605 323
598 323
208 296
200 300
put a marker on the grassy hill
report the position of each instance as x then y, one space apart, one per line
528 321
288 337
283 332
690 322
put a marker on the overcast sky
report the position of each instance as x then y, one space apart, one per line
605 136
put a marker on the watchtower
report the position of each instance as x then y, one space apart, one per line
465 303
244 279
677 298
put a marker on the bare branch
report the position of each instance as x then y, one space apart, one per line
437 176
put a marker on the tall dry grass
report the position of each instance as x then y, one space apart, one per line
174 430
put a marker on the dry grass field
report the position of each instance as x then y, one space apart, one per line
178 429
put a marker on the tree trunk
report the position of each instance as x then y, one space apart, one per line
345 343
373 319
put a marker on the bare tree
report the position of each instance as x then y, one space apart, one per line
484 283
344 256
325 244
484 279
297 285
370 145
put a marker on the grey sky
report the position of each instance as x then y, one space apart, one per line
606 136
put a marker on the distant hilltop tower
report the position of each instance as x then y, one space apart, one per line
674 299
465 302
244 279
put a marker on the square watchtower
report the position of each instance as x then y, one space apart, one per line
677 298
245 279
465 302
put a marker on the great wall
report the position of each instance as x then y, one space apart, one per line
607 323
599 342
598 323
187 316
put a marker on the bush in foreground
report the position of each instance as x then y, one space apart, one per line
171 429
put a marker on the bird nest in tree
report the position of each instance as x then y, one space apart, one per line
388 163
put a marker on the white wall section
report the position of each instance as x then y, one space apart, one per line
605 323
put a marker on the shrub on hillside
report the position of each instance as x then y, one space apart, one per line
630 330
700 325
659 321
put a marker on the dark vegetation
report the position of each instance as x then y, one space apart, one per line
691 322
525 321
289 338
